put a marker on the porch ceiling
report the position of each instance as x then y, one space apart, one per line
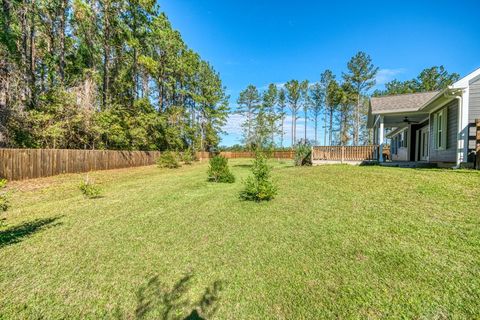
397 120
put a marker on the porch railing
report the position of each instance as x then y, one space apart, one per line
348 153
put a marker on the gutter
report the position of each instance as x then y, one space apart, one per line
435 97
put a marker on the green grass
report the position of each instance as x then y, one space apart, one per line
337 242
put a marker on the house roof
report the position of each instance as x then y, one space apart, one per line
400 103
415 104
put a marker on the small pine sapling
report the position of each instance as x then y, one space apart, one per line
218 171
258 186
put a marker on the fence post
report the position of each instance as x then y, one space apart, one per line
343 154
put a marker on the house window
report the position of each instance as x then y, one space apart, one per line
400 141
440 129
404 139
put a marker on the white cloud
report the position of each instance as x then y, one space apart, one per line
386 75
300 129
233 128
279 85
234 124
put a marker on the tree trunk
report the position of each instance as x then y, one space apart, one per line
135 55
305 131
4 79
293 128
61 66
106 53
272 128
331 127
283 120
145 87
249 120
325 127
25 98
32 57
357 121
160 95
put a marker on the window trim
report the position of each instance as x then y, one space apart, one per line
405 138
440 132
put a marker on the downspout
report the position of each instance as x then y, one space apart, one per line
459 128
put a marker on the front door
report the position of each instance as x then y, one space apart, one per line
423 145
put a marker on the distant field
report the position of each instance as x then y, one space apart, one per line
337 242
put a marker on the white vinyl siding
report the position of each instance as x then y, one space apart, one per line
440 129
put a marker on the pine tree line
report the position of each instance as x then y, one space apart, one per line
430 79
100 74
341 106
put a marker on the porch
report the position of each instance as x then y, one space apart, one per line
403 120
354 155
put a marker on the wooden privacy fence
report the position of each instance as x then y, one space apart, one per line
347 153
20 164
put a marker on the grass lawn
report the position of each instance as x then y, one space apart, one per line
337 242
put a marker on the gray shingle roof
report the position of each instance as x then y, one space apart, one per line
400 103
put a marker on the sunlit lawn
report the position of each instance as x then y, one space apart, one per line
337 242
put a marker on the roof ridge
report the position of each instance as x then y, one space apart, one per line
406 94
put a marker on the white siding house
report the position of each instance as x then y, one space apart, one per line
436 127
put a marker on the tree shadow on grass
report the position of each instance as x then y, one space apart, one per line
242 165
16 234
157 301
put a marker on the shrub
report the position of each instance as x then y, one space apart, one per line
4 204
90 189
218 170
169 159
303 154
259 186
189 156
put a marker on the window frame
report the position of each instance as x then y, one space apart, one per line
405 138
440 128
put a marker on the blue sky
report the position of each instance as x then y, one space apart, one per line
262 42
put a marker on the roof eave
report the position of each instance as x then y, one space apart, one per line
431 104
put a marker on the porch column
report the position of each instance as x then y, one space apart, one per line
380 139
